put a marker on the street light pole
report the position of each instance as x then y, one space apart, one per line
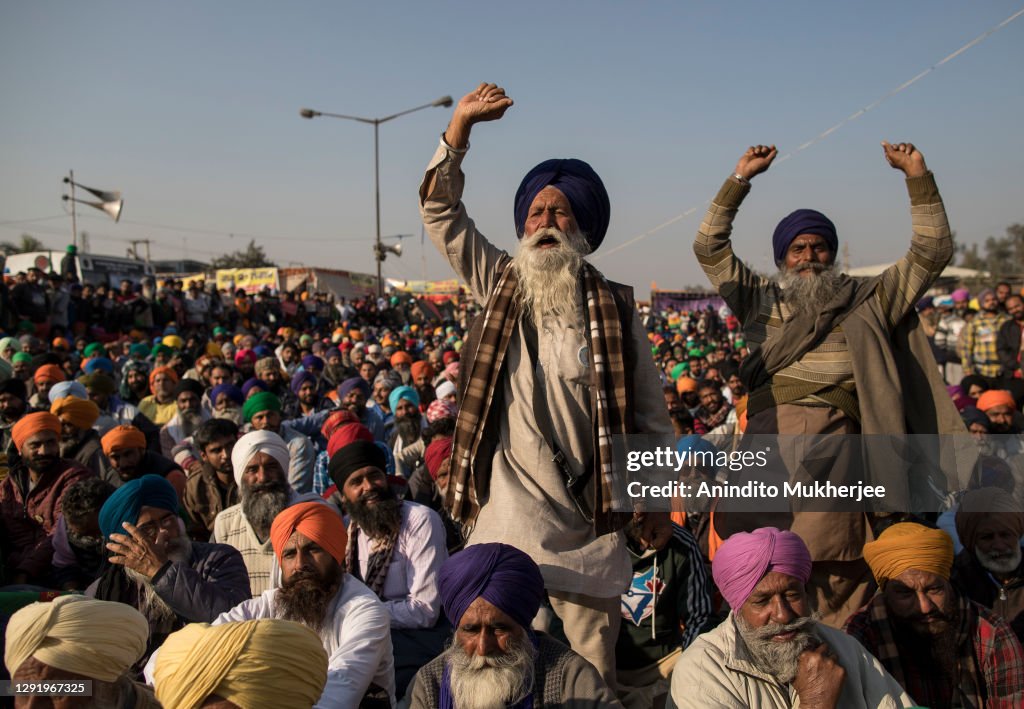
378 249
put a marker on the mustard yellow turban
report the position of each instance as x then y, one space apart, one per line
98 639
78 412
907 546
254 663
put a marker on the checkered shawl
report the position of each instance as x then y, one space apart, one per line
608 403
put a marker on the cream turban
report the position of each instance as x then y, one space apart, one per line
98 639
258 442
253 663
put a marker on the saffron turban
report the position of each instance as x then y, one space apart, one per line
32 424
802 221
337 418
81 413
162 370
253 383
355 456
252 663
403 392
445 388
991 504
99 364
441 409
97 639
258 442
315 521
63 389
500 574
421 368
301 378
581 186
908 545
233 393
400 358
311 361
745 557
48 373
126 502
97 382
351 383
120 438
345 434
263 401
439 450
685 384
996 397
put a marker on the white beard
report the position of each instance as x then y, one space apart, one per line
492 681
1001 564
809 293
549 277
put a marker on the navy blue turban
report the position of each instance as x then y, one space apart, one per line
802 221
300 378
127 500
233 392
580 185
500 574
353 383
311 361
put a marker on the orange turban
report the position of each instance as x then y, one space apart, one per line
31 424
421 367
78 412
122 437
908 545
169 371
49 372
996 397
315 521
991 505
400 358
685 384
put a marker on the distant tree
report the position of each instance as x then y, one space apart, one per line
252 257
1001 256
28 243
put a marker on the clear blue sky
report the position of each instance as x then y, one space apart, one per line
191 109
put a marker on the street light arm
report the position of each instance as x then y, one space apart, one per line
443 101
310 113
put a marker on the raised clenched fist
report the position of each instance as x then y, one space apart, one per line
755 161
905 157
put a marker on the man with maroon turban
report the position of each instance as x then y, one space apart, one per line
490 593
557 366
771 651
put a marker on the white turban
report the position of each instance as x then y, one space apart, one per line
98 639
258 442
444 389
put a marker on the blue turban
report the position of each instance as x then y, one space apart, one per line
263 351
101 363
311 361
254 383
580 185
353 383
500 574
127 500
233 392
802 221
63 389
404 392
301 378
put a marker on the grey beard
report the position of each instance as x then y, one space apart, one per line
156 609
780 660
809 294
231 413
492 681
190 421
1003 564
262 503
549 278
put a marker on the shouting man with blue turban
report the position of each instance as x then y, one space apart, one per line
831 354
490 593
553 370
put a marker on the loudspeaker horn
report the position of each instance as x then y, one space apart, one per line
113 207
396 249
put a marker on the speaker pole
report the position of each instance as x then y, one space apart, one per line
74 225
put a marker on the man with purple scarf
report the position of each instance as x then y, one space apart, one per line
490 593
557 365
831 354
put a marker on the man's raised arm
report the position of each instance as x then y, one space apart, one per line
736 283
444 216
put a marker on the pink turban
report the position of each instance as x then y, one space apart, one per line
743 560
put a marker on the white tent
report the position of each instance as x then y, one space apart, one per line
951 272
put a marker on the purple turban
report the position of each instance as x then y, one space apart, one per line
311 361
254 383
301 378
233 392
580 185
498 573
353 383
743 560
802 221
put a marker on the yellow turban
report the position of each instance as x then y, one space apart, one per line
98 639
78 412
906 546
253 663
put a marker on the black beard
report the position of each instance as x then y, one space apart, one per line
378 521
306 596
936 649
262 503
41 463
409 428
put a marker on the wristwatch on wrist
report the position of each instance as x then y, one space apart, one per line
741 179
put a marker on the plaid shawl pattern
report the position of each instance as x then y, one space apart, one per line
990 663
608 405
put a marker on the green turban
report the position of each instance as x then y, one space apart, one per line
264 401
